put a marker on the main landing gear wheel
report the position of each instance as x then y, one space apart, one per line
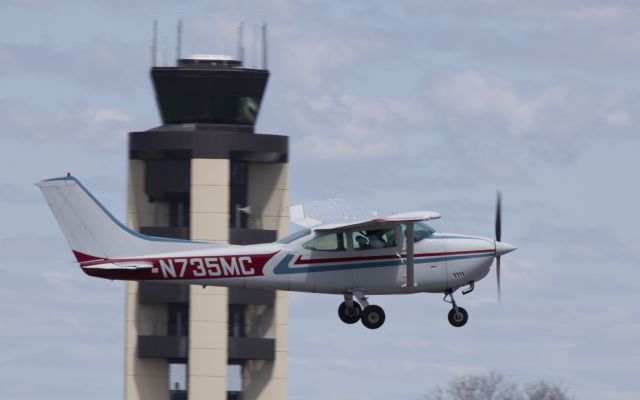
458 317
349 315
372 317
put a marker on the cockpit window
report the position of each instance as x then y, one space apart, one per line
420 231
327 242
292 237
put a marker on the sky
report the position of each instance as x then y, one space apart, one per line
400 105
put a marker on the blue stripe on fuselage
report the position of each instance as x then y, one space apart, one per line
283 266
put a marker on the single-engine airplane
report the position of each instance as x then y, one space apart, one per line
378 255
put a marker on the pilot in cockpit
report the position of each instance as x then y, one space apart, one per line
363 243
376 240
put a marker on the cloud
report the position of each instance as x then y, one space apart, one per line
346 126
97 64
540 38
612 15
555 122
322 57
92 128
490 102
57 322
14 194
619 119
108 4
29 3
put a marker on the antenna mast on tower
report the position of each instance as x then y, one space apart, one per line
241 42
264 45
179 41
154 42
255 46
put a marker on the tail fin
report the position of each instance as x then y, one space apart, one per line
93 232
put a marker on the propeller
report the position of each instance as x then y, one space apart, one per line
502 248
498 238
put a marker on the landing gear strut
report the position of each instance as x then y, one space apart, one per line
350 312
458 316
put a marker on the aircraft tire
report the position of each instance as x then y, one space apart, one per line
372 317
349 316
458 319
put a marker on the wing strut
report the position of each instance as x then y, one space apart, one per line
410 271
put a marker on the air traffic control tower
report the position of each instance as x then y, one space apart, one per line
206 175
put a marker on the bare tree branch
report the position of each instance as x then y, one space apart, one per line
543 390
494 386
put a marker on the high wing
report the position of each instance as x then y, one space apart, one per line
408 217
339 213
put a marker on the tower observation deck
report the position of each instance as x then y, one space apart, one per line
209 89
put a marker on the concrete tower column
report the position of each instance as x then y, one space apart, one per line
145 378
208 307
268 197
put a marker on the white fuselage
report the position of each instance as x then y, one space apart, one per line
442 262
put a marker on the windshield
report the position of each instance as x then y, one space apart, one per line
292 237
420 231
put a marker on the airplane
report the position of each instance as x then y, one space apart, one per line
377 255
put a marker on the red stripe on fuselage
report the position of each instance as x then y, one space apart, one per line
301 261
175 268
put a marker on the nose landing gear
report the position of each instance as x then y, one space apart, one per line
458 316
350 311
